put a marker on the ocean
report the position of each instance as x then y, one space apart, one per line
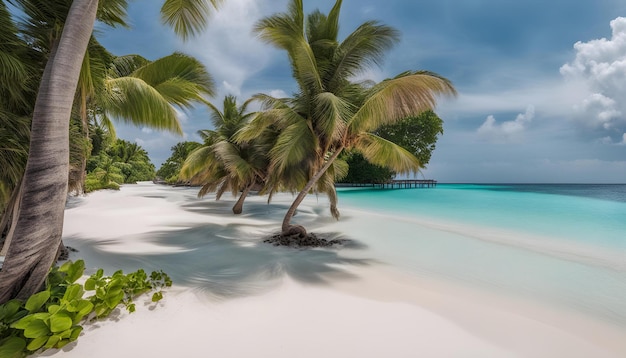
560 244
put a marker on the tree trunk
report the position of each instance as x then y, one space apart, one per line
238 208
37 233
287 228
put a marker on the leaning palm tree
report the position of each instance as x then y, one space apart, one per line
331 112
221 164
39 218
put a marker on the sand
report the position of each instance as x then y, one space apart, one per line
236 297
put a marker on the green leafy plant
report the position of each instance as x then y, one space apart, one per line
52 318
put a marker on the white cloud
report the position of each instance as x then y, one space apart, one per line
509 131
601 65
278 93
230 89
229 49
146 130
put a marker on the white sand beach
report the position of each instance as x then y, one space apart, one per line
234 296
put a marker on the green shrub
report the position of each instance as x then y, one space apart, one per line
52 318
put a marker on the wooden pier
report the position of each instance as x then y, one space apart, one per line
393 184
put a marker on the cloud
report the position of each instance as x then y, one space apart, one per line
509 131
229 49
601 65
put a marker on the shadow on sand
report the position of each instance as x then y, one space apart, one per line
220 260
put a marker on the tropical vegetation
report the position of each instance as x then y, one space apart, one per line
303 143
223 163
417 134
170 170
331 112
62 32
53 317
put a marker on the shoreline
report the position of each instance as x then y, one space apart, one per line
234 297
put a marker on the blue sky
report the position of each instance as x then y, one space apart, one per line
542 84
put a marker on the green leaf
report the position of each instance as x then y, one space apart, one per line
74 291
75 271
84 307
12 347
90 284
157 296
23 323
66 334
75 333
37 300
9 309
53 309
60 322
65 267
101 309
37 343
35 329
101 293
52 341
112 300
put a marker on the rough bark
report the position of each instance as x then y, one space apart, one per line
291 230
37 233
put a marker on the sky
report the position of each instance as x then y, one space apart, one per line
542 84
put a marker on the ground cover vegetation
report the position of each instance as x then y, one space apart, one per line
54 317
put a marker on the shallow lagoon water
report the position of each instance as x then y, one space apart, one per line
564 245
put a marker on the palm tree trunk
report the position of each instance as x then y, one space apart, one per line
238 208
37 233
287 228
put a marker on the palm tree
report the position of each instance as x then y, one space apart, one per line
39 215
331 112
221 164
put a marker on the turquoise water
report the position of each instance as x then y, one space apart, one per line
560 244
590 214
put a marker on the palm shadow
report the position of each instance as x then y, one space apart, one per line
221 259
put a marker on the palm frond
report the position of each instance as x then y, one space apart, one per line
187 17
332 114
293 146
123 66
113 12
364 47
234 163
182 68
382 152
134 101
406 95
197 161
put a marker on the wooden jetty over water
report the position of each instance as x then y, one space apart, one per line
393 184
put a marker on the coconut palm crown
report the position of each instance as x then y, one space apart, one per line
331 111
221 164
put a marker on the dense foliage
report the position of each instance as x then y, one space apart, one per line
170 170
54 317
417 134
122 162
360 171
